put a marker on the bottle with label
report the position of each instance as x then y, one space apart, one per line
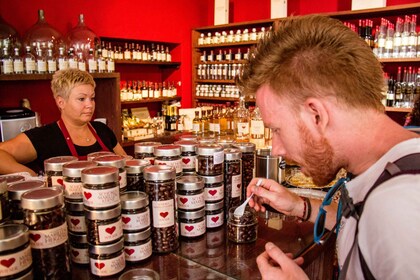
412 38
398 90
51 62
17 62
390 94
81 63
241 122
63 62
257 129
110 63
168 55
101 62
41 63
6 62
205 124
405 37
73 59
92 64
196 124
397 38
127 52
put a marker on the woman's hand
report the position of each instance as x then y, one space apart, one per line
275 264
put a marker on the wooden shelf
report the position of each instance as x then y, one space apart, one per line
151 100
149 63
399 60
41 77
222 98
242 61
224 45
400 110
216 81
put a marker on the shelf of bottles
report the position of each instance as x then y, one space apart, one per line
133 92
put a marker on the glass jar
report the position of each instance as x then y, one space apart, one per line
46 220
104 226
79 249
192 223
188 156
214 189
169 155
242 229
100 187
144 150
15 252
225 143
4 201
138 246
92 156
190 193
214 214
107 260
15 192
188 137
210 159
118 162
135 211
75 216
134 169
233 178
248 164
72 178
160 186
53 168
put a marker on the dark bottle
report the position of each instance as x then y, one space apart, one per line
390 94
398 89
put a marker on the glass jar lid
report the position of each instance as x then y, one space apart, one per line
136 166
137 236
189 183
111 160
134 200
208 149
72 205
107 249
225 143
74 169
13 178
244 147
203 141
91 156
188 138
103 214
191 215
77 238
212 179
56 163
187 146
167 151
159 173
99 175
232 154
16 190
249 216
214 206
42 198
145 147
13 236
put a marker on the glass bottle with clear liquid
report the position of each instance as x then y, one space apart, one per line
7 62
257 129
29 61
41 62
17 62
241 122
51 61
63 62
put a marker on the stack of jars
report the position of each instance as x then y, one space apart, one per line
144 150
118 162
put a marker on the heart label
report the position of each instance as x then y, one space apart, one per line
238 186
244 126
183 200
100 265
75 221
152 161
216 239
212 192
35 237
75 253
119 178
189 228
61 182
129 251
215 219
126 220
110 230
190 250
161 163
163 214
87 195
8 263
186 160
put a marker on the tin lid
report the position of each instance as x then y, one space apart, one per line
159 173
111 160
225 143
208 149
91 156
232 154
74 169
167 150
3 185
187 146
244 147
137 236
77 238
13 178
74 205
189 137
191 215
134 200
13 236
56 163
42 198
16 190
203 141
214 206
190 183
103 214
212 179
145 147
107 249
136 166
99 175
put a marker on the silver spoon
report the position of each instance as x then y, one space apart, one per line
240 210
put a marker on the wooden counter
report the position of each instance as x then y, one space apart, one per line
214 257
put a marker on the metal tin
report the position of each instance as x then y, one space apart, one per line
79 252
74 169
75 216
107 260
190 192
244 147
72 180
214 214
99 175
42 198
191 223
138 246
56 163
232 154
104 226
136 166
190 183
111 160
13 178
135 211
159 173
93 155
187 146
208 149
145 147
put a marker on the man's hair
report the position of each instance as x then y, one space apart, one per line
315 56
64 81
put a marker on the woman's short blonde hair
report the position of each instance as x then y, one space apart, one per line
64 81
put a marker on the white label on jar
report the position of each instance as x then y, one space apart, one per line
257 127
80 256
123 179
175 163
243 128
188 162
190 202
136 221
101 198
107 267
163 213
236 185
18 66
139 252
73 189
110 232
214 194
52 66
57 181
193 229
11 264
218 157
215 220
76 223
48 238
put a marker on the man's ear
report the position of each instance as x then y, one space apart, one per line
315 115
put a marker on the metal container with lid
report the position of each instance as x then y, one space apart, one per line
12 178
190 192
53 168
192 223
107 260
75 216
15 192
169 155
118 162
15 120
188 155
144 150
232 177
210 159
134 169
72 178
94 155
79 251
137 245
104 226
268 166
214 214
214 189
135 211
248 164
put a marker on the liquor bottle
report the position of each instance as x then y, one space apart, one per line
238 36
158 53
116 53
223 121
397 38
137 52
210 57
257 129
196 123
156 91
127 51
382 38
253 35
92 63
389 41
174 119
230 37
63 62
398 90
168 116
162 54
230 120
41 63
409 88
104 49
210 119
405 37
241 122
205 124
144 90
110 63
120 53
404 88
201 39
238 55
164 90
111 51
17 62
153 53
245 35
29 61
168 55
81 63
73 60
229 56
412 38
417 90
216 121
203 57
390 94
51 62
144 53
101 62
6 62
219 56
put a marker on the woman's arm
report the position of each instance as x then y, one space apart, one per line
16 152
119 150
